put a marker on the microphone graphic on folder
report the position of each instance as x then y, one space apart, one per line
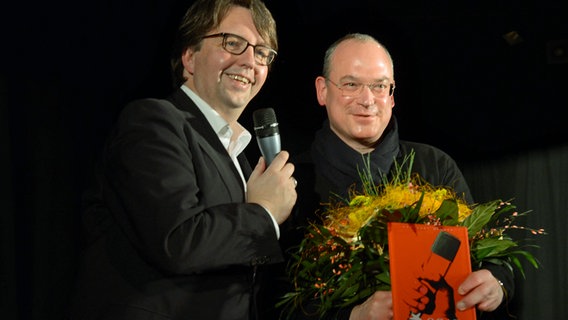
446 246
267 133
435 268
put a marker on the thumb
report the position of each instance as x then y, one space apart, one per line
258 169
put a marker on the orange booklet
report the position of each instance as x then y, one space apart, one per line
427 264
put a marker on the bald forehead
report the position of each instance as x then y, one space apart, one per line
361 47
363 52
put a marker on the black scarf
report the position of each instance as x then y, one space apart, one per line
339 165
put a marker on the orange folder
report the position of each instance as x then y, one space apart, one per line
427 264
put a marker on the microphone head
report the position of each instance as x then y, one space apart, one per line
265 123
446 245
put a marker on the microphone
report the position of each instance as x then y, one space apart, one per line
267 134
443 251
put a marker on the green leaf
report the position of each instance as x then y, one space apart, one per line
491 247
479 217
333 272
411 214
448 212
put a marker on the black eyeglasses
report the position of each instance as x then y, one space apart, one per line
236 45
353 89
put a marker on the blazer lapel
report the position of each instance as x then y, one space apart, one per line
245 165
213 146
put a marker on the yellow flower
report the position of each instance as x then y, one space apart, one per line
334 271
348 220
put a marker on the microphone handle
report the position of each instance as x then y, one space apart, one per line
269 147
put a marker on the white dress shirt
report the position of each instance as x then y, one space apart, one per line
225 133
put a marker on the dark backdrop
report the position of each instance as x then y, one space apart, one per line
496 106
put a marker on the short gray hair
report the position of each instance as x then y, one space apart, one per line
351 36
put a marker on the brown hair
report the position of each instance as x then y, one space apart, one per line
205 15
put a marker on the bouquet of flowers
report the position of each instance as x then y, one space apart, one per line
345 259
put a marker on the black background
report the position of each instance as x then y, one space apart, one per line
67 68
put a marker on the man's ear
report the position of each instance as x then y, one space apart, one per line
392 95
188 60
321 90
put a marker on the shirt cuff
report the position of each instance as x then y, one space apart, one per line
276 226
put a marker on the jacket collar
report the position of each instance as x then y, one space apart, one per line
340 165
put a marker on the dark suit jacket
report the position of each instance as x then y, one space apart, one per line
169 235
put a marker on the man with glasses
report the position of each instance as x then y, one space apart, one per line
357 90
180 226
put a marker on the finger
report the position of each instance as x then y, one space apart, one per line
485 297
288 169
469 301
279 161
258 169
489 304
474 280
427 284
493 299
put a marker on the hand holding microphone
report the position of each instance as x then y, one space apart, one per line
268 135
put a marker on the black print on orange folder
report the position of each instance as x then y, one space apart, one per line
427 265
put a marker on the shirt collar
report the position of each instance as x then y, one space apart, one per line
219 125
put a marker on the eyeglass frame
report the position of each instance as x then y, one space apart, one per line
224 45
391 87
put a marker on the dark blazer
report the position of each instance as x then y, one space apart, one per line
169 235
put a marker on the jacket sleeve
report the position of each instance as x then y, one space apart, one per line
178 196
438 168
